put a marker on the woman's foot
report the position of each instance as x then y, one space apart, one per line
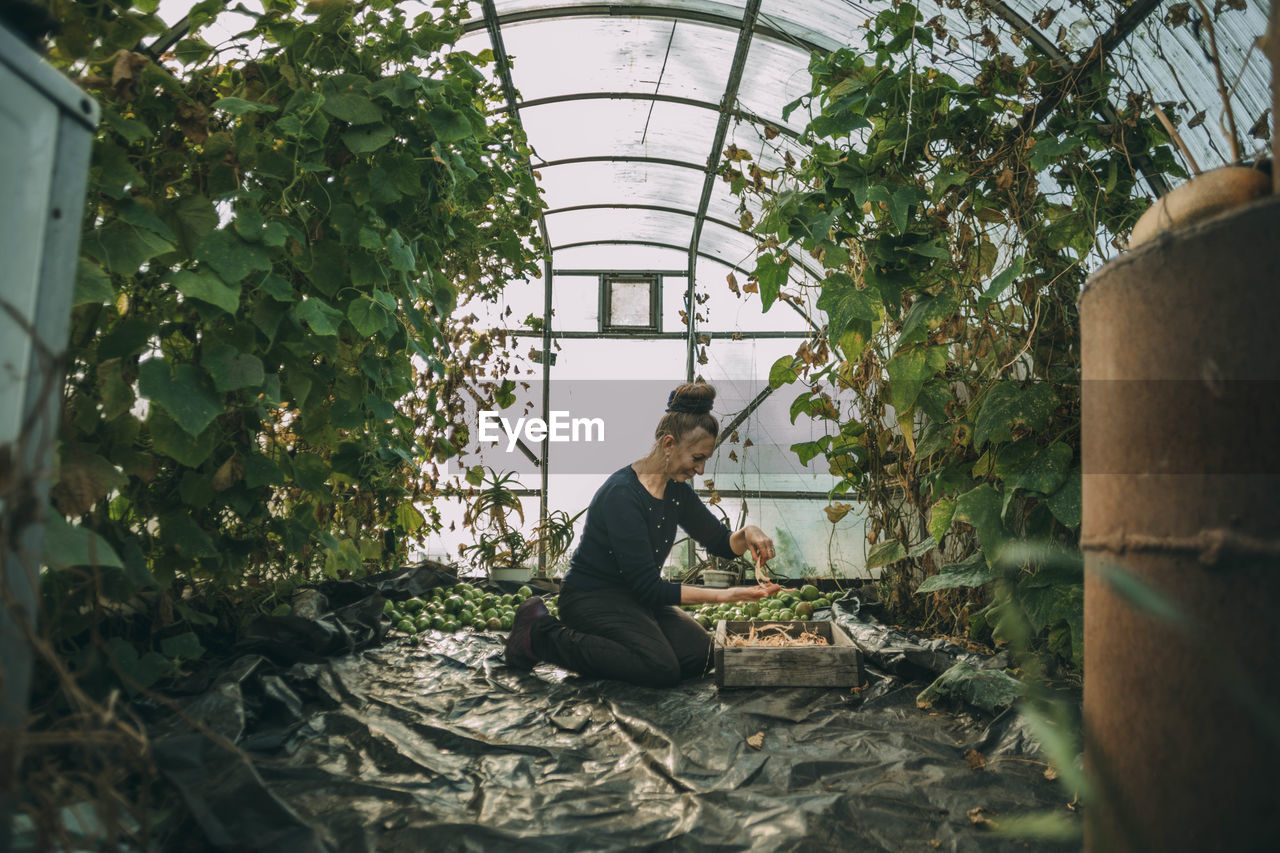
519 646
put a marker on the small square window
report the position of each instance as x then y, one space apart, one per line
629 303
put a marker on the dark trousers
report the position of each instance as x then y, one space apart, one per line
608 634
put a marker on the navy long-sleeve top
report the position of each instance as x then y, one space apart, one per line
629 532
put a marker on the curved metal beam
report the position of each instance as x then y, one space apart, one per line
676 210
738 113
608 158
664 13
682 248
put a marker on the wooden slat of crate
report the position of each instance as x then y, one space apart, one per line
836 665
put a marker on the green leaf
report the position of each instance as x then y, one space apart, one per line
142 216
409 519
67 545
277 288
884 554
310 471
1041 471
845 304
175 442
92 284
449 124
205 285
771 274
239 106
924 316
1051 149
352 107
940 521
319 315
807 450
981 507
231 257
136 671
783 372
179 530
1000 283
908 371
367 316
122 248
971 572
184 393
367 138
185 646
232 369
401 253
989 690
260 470
1066 502
1008 405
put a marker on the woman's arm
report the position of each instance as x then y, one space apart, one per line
707 595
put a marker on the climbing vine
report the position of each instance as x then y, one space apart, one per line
265 351
954 233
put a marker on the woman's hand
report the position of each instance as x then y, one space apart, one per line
753 539
752 593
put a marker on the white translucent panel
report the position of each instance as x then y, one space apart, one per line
804 540
576 303
623 360
1170 64
518 299
739 250
727 8
829 23
574 184
769 154
775 75
724 311
641 55
630 302
620 128
593 226
616 256
223 26
724 205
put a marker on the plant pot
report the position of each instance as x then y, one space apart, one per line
1200 198
717 579
1181 493
510 573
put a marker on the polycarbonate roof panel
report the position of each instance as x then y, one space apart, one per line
576 302
1173 62
621 256
775 75
726 311
641 55
574 184
589 226
627 128
768 153
727 8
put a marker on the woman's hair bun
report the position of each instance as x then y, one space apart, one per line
694 398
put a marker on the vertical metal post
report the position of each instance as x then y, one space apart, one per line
546 407
46 132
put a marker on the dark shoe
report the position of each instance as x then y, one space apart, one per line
519 646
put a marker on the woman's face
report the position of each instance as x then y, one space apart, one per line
688 458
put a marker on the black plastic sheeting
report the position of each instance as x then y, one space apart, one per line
433 743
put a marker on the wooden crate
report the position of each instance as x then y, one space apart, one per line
836 665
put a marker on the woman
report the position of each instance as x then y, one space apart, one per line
620 618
